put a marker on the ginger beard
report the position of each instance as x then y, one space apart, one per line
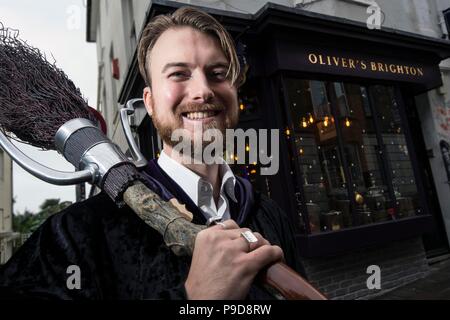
221 118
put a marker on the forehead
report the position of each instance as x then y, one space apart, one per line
186 44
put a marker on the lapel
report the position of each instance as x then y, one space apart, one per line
167 188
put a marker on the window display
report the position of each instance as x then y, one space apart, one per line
353 162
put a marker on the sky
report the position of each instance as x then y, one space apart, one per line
57 28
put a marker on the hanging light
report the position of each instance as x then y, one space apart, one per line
304 123
311 119
301 151
288 132
247 148
326 121
347 122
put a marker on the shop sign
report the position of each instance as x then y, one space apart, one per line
341 62
377 66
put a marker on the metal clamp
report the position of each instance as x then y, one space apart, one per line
138 159
44 173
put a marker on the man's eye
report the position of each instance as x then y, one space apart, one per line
219 75
179 75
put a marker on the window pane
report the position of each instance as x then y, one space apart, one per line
323 181
400 166
363 156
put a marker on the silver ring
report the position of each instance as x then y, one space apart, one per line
250 237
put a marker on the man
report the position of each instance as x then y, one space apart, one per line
94 250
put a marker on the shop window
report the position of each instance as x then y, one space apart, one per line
345 177
251 172
372 200
398 156
248 101
249 112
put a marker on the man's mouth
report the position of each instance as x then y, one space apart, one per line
200 115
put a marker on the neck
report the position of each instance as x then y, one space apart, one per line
209 172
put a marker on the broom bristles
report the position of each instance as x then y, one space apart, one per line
36 97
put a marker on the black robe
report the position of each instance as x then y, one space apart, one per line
119 256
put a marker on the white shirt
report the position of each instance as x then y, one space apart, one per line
199 190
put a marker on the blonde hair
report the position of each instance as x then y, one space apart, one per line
194 18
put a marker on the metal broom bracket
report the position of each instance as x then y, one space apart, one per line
42 172
139 159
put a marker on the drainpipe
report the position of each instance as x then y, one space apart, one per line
99 80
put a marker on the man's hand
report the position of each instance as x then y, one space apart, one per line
224 264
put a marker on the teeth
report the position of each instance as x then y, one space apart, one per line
199 115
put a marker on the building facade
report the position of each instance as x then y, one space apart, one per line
6 196
364 117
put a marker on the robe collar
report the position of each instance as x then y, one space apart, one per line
167 188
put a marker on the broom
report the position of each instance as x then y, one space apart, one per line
41 106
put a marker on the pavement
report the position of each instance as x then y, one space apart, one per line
435 286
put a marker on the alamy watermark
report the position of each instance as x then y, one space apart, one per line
74 279
237 146
375 14
374 280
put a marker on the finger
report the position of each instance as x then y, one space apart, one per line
261 239
218 225
236 233
217 233
263 256
243 245
225 225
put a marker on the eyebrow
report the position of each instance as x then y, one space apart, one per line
218 64
175 64
187 65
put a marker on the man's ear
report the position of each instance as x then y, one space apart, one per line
148 101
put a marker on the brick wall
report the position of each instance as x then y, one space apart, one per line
344 277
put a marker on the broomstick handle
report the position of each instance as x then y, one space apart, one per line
179 235
288 283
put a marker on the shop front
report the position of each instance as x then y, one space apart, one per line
354 174
344 98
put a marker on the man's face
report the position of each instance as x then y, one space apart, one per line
188 85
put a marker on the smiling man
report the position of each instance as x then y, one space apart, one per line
189 63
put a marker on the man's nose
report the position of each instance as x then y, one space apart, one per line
200 89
